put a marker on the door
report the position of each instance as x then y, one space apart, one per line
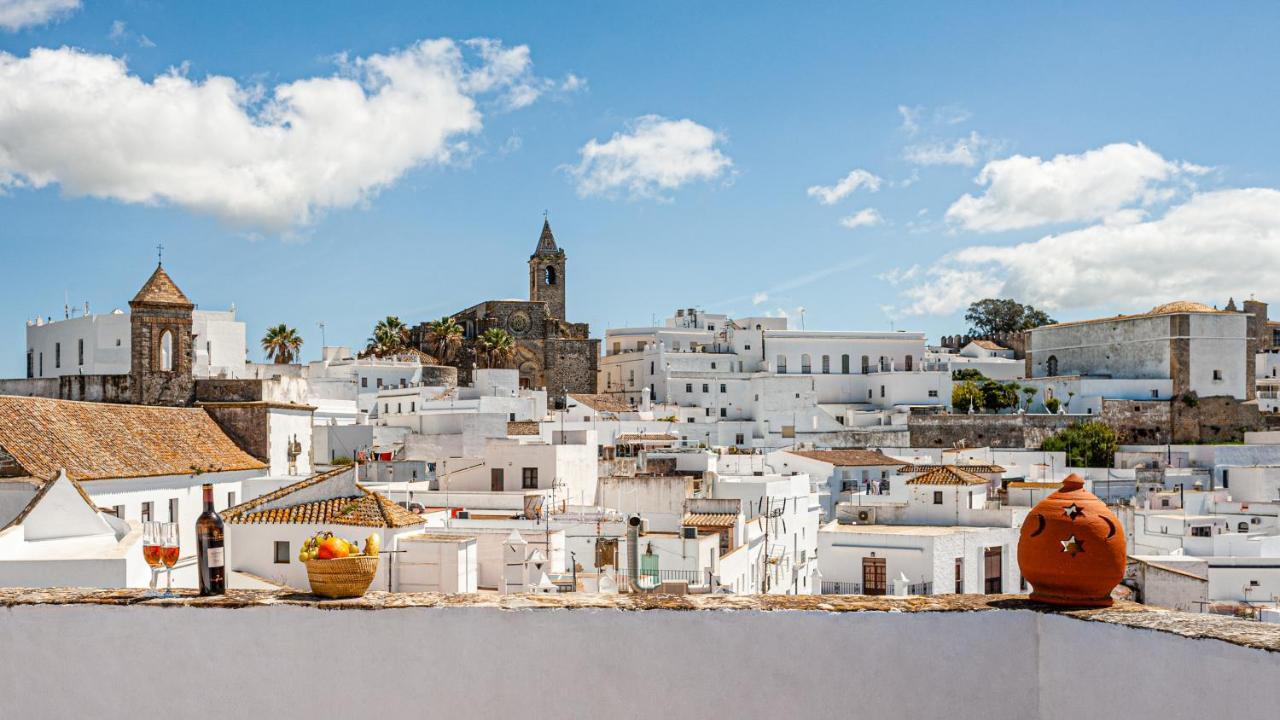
874 573
992 572
496 483
606 552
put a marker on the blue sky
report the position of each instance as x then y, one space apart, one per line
1112 158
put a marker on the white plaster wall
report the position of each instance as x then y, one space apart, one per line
132 492
219 344
1218 342
106 345
285 426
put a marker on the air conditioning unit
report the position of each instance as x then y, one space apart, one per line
865 516
689 532
463 515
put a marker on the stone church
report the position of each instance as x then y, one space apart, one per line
550 353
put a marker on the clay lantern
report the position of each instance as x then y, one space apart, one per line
1072 548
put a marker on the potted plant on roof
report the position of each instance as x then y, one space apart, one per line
336 568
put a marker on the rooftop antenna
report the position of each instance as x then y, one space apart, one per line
801 317
322 342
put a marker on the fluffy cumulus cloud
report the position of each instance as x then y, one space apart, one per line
863 218
17 14
858 178
1214 244
262 158
1026 191
651 157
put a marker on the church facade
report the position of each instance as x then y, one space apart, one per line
550 352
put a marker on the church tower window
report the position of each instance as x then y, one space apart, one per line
166 352
551 275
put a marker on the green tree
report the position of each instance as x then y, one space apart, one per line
390 336
968 374
281 343
999 396
998 316
1052 405
1030 392
1087 444
966 396
444 337
497 348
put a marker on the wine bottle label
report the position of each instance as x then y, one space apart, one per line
214 556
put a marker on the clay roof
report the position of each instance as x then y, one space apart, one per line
368 509
522 428
843 457
160 289
647 437
93 441
989 345
947 475
908 469
1170 308
710 519
603 403
1034 485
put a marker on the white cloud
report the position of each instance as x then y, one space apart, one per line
1027 191
898 276
910 119
857 178
268 159
1214 245
863 218
652 156
964 151
760 298
913 118
17 14
118 30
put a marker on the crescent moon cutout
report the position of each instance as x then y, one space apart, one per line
1110 525
1040 528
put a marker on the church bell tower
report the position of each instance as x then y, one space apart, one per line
160 344
546 273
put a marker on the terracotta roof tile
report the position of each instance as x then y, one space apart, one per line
369 509
989 345
979 469
516 427
710 519
160 289
647 437
947 475
844 457
603 403
93 441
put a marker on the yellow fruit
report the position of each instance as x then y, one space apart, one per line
372 545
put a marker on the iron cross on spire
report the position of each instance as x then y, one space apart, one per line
160 254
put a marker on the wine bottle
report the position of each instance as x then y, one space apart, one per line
209 548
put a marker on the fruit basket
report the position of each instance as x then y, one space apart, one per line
347 577
336 568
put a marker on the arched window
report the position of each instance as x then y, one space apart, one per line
866 364
551 275
826 364
1052 366
166 352
782 364
1243 527
908 365
844 364
805 364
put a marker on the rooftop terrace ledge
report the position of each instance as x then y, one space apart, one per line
1261 636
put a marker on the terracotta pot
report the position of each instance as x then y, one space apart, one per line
1072 548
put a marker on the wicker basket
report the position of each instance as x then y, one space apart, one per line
347 577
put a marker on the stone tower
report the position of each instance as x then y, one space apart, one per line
160 337
546 273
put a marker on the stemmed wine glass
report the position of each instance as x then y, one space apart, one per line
152 551
169 549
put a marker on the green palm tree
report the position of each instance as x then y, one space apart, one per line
444 338
497 348
390 336
281 343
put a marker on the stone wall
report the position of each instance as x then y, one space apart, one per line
150 385
30 387
439 376
221 390
1139 422
1214 419
872 437
246 425
986 430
